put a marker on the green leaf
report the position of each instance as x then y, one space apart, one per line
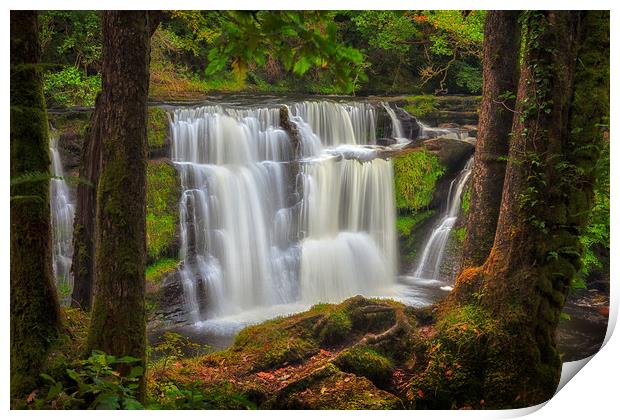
131 404
136 372
302 65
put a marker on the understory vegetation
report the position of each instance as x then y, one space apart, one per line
391 51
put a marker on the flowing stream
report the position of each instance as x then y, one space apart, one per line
62 209
262 228
429 265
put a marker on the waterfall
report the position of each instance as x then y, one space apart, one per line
261 228
397 126
62 209
430 263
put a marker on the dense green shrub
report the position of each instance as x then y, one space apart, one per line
69 87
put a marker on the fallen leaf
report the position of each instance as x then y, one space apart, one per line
323 390
32 396
347 379
420 393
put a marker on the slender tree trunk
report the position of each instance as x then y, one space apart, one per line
35 312
500 75
118 320
83 263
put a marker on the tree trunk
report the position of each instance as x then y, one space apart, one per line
118 319
83 263
497 329
35 310
500 75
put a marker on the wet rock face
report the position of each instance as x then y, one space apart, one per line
411 127
171 309
452 155
386 141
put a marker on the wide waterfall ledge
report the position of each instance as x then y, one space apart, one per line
270 224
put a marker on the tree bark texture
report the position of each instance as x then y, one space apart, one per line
35 318
500 76
118 319
517 295
83 263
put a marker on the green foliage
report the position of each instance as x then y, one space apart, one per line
157 127
71 37
405 224
193 396
162 196
415 175
597 233
300 40
94 383
386 29
421 105
172 347
156 271
69 87
365 361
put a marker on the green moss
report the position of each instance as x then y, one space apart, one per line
405 224
162 195
336 328
156 271
466 201
287 350
415 175
457 358
157 128
460 233
364 361
421 105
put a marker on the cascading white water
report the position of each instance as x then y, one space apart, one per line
430 263
247 240
397 126
62 209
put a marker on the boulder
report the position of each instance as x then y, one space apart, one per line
452 153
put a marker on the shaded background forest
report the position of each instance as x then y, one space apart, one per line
390 51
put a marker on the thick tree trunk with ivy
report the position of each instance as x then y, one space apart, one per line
500 76
35 316
514 300
118 319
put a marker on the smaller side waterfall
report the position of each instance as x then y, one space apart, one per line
62 209
432 256
397 126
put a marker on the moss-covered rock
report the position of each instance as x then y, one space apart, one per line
415 175
163 192
367 362
336 328
287 363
